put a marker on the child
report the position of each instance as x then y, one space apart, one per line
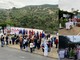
31 46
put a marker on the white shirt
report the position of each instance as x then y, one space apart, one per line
67 25
61 53
71 23
31 45
24 41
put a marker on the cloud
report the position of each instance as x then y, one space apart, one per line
21 3
69 4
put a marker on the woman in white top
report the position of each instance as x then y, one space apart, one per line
45 48
67 25
61 54
31 46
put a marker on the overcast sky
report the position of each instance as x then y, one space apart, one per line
21 3
68 4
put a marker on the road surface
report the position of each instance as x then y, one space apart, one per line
7 53
65 59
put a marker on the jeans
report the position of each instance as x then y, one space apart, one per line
2 43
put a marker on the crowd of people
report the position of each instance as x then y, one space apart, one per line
33 41
70 53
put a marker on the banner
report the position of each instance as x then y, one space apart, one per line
16 30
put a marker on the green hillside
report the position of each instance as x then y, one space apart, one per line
37 16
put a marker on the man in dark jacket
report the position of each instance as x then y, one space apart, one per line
2 41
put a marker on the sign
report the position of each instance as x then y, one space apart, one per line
15 30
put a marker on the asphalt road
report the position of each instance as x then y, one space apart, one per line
67 59
7 53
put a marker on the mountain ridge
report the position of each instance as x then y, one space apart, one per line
42 17
32 6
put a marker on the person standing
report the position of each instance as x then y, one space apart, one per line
31 47
49 46
4 38
38 43
35 42
13 40
21 42
78 55
75 54
42 46
56 42
24 41
2 41
45 48
7 40
61 54
26 44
